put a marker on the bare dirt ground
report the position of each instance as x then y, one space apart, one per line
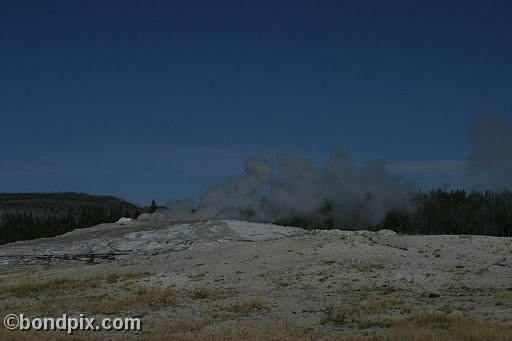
245 281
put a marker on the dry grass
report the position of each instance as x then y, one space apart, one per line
108 293
106 303
156 297
355 309
336 314
425 327
504 298
234 332
326 273
202 293
445 327
66 284
365 267
196 276
100 294
248 307
416 328
355 319
37 288
209 293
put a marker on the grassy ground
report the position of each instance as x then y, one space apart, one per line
299 288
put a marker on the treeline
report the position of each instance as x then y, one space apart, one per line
436 212
456 212
26 216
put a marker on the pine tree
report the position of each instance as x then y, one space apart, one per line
153 207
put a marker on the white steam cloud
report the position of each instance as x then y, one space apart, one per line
294 188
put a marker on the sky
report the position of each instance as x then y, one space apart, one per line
159 99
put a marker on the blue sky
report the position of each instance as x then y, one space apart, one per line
159 99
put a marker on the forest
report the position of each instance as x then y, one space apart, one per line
435 212
26 216
456 212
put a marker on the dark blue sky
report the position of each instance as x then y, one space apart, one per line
158 99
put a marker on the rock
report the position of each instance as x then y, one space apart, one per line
386 232
123 221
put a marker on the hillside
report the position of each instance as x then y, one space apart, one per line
235 280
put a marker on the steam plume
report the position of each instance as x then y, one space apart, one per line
339 191
295 188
